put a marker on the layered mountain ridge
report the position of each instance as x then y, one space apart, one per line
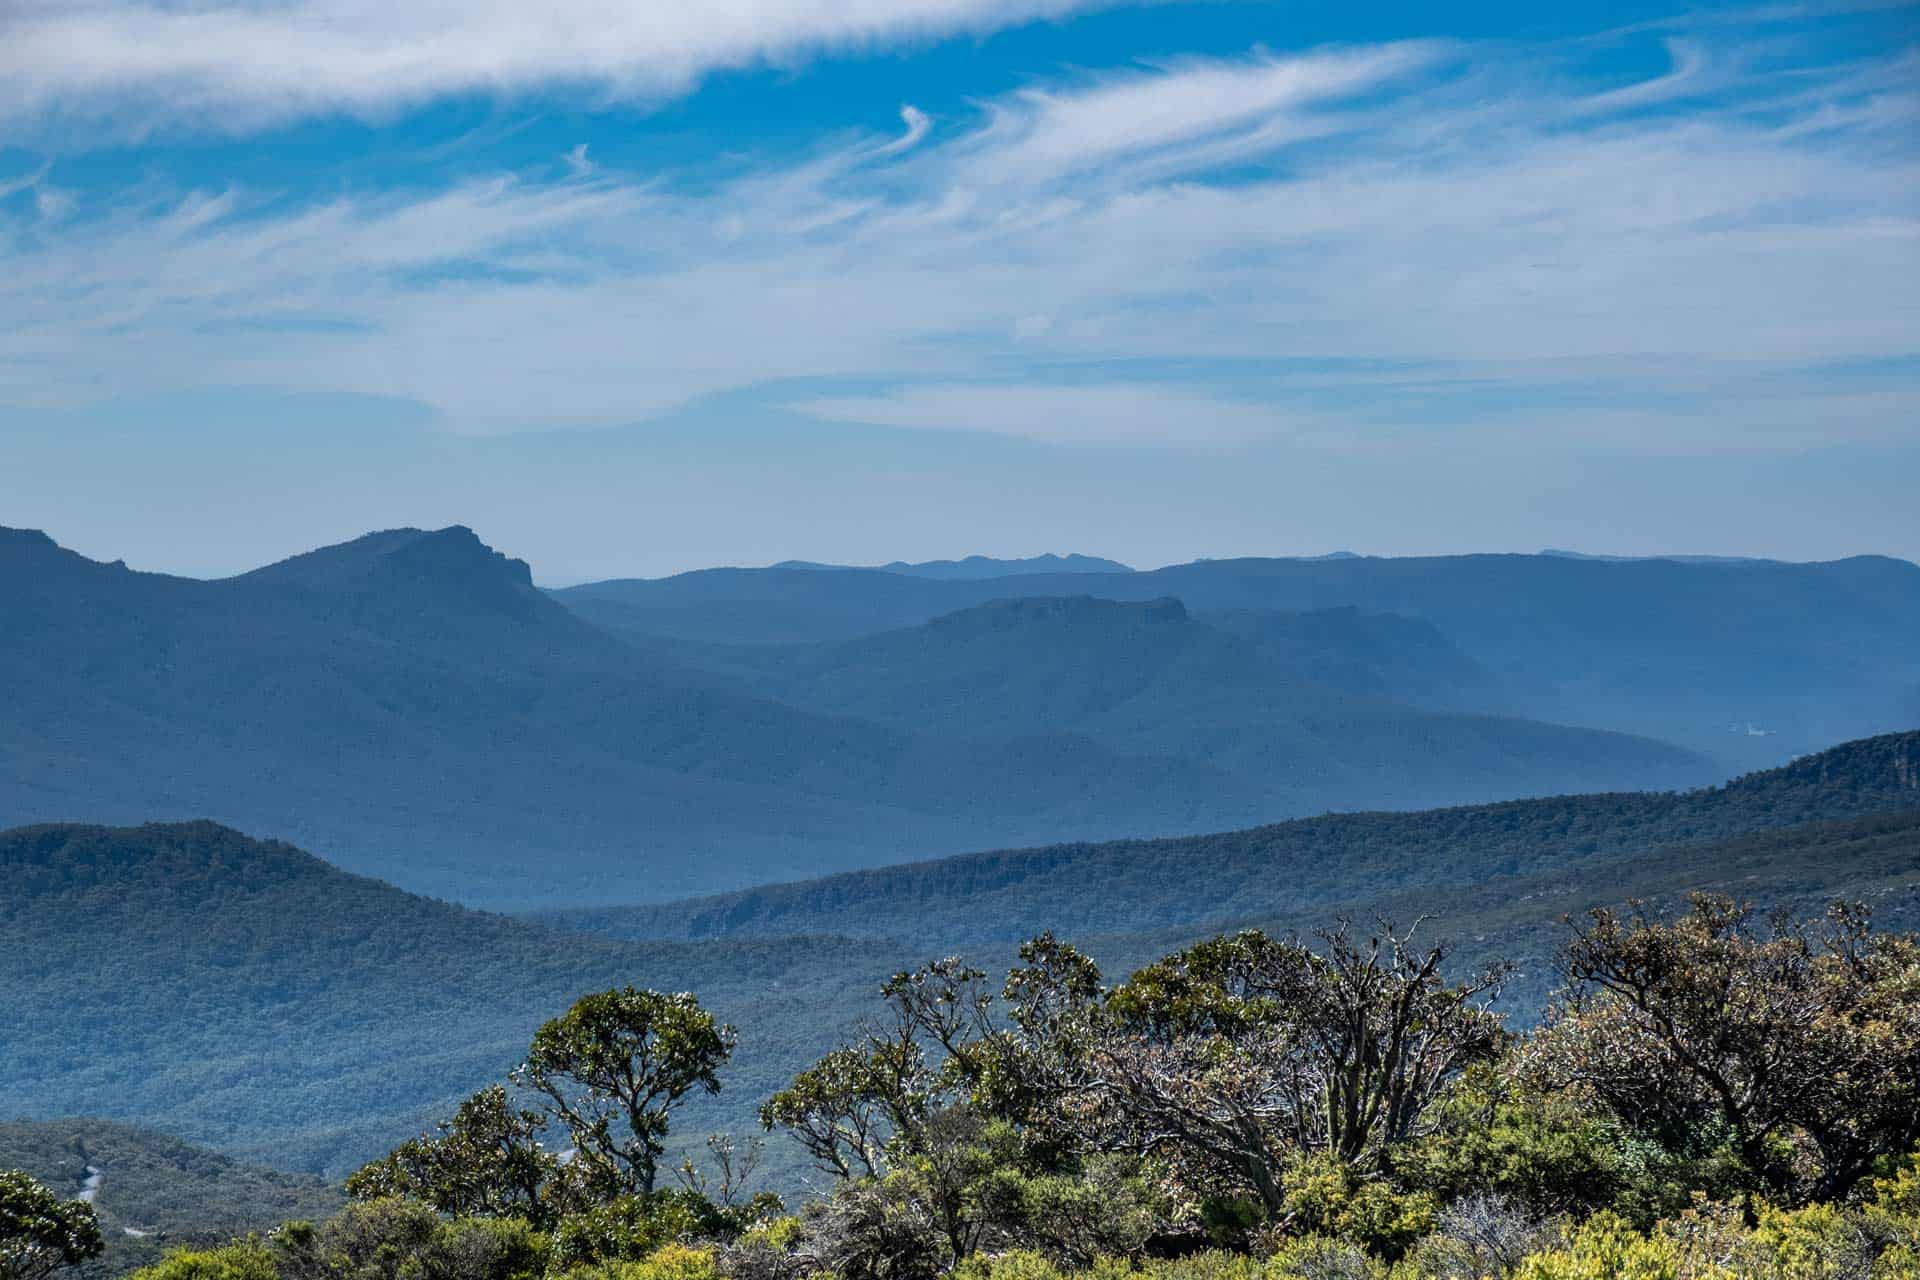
408 704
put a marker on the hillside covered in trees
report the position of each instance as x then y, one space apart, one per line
152 1193
1289 868
247 995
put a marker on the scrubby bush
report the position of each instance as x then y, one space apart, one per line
629 1228
244 1260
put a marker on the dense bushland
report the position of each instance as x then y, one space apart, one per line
1714 1094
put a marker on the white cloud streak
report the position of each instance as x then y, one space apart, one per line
1124 413
1389 216
244 64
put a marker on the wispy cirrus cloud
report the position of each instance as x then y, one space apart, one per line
1188 114
243 64
1468 208
1103 413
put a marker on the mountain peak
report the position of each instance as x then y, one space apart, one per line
454 556
43 560
25 540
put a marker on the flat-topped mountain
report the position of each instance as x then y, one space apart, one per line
1147 679
1290 869
409 705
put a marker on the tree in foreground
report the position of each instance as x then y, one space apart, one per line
1797 1045
615 1066
39 1232
486 1162
1236 1058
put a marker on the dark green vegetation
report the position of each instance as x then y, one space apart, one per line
152 1192
1185 885
1712 1096
1873 860
409 705
247 995
1694 653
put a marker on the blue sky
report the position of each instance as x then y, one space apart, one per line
632 288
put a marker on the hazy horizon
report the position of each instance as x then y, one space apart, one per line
636 294
881 559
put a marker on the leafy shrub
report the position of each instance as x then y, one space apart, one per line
1607 1248
629 1228
669 1262
1328 1198
243 1260
1020 1264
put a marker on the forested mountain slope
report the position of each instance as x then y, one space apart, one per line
1797 655
408 705
1872 860
243 993
1289 868
153 1192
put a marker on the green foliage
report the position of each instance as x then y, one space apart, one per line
39 1232
630 1227
405 1240
487 1161
1492 1135
1328 1199
615 1066
244 1260
1234 1057
1800 1046
669 1262
1606 1248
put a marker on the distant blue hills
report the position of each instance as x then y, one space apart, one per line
408 704
978 567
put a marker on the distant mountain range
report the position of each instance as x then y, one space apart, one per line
978 567
1748 662
241 993
409 705
1584 555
